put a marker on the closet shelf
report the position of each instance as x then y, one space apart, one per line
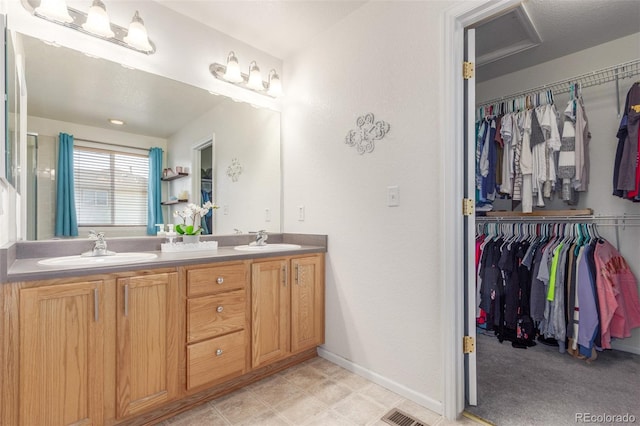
539 213
593 78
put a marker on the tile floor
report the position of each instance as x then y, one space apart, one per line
314 393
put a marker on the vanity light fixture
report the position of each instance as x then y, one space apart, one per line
96 23
252 81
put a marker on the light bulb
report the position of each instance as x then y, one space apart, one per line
137 36
98 20
54 9
232 73
255 77
275 86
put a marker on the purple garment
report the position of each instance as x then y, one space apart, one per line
586 299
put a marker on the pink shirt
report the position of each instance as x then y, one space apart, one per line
617 294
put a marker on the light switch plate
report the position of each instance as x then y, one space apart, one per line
301 213
393 196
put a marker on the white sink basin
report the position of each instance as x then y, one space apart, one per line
267 247
80 260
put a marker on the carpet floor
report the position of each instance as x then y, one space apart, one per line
540 386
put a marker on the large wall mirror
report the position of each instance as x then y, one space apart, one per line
69 92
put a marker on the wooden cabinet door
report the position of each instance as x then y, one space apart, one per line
307 302
269 311
148 342
61 354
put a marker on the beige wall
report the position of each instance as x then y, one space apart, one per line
383 288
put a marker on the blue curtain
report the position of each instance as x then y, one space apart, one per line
66 219
154 213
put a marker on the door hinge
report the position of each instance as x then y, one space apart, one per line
467 206
468 344
467 70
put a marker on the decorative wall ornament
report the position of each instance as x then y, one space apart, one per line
367 132
234 170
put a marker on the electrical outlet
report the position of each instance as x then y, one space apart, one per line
267 215
225 209
393 196
300 213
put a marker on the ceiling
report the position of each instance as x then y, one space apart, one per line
564 26
66 85
282 28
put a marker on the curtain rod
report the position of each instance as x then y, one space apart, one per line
593 78
112 144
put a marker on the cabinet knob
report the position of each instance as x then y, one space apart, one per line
218 352
219 309
220 280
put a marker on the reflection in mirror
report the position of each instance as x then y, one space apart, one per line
72 93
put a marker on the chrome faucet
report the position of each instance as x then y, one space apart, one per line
100 248
261 238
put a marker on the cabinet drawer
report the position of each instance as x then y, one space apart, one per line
215 359
210 316
216 279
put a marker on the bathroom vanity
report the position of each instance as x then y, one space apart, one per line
136 343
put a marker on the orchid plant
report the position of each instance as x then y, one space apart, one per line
191 216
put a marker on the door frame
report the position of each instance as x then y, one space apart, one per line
196 174
454 21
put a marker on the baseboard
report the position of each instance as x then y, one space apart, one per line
396 387
620 346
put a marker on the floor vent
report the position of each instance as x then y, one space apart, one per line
398 418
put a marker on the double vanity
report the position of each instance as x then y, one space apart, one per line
136 339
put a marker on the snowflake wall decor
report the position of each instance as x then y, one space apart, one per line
367 132
234 170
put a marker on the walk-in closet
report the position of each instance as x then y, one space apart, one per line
557 216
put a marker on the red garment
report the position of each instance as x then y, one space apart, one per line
617 294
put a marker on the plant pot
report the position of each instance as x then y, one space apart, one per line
191 239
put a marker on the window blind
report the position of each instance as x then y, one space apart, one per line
110 187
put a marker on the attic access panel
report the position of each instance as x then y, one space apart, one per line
505 35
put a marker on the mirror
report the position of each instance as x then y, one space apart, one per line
14 111
76 94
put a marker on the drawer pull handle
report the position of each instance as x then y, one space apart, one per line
218 352
219 309
220 280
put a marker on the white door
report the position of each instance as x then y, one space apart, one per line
471 386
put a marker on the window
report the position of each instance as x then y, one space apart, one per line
111 187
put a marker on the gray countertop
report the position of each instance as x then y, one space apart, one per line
24 267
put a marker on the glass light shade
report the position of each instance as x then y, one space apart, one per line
255 77
232 73
98 21
275 86
54 9
137 36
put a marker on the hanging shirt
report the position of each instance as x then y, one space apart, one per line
583 137
629 155
588 307
617 294
567 158
506 127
